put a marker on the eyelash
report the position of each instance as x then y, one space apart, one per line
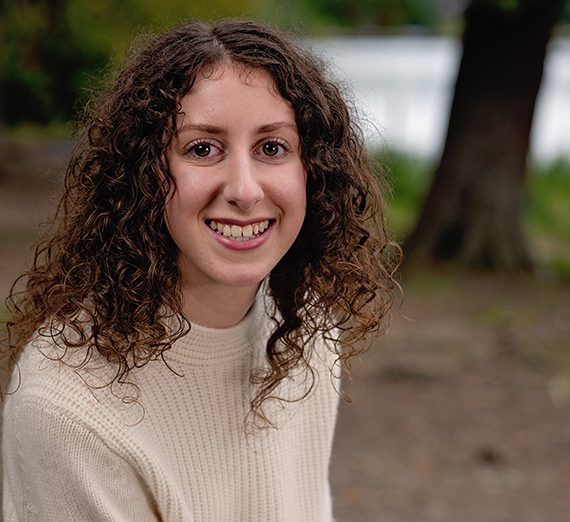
191 148
276 141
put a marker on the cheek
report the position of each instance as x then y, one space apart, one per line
292 194
186 197
299 199
292 204
169 220
178 211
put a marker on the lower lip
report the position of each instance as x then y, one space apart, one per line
250 244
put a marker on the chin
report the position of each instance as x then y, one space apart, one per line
244 280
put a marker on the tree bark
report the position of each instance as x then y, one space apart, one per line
473 212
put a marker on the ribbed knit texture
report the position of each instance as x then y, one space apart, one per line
181 453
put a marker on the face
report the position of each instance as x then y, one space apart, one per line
240 195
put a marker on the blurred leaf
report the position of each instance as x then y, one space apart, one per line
53 49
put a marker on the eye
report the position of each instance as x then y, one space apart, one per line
201 150
273 149
270 148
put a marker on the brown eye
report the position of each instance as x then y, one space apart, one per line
202 150
270 149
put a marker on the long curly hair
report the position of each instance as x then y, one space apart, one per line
106 279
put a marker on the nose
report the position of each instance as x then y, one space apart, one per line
242 186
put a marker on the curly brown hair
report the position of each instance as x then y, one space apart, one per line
108 274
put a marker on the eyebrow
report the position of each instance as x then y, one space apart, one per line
277 125
212 129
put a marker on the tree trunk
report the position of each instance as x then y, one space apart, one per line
472 215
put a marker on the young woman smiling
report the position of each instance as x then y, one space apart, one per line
219 251
236 163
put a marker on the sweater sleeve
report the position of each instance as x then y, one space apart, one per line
59 470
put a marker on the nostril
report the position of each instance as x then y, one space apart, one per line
245 200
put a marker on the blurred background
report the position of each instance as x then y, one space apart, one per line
462 412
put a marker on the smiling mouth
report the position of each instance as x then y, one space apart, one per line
237 233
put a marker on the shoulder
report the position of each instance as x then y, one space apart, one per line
72 385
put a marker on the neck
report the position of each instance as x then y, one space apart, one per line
218 306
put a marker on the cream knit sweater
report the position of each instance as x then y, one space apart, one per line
178 454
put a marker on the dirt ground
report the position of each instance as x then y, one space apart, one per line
460 414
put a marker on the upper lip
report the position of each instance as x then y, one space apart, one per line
238 222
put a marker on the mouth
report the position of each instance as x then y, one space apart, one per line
238 233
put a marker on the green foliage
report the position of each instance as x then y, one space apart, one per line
566 12
409 178
40 63
549 200
509 5
547 205
547 209
52 48
368 14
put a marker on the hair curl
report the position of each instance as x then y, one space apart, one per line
108 274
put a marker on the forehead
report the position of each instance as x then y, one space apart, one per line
237 91
246 74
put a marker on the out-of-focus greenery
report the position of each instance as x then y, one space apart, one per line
549 200
547 194
408 177
51 50
547 208
548 217
375 15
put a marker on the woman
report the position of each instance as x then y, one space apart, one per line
220 247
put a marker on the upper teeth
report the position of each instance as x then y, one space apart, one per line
236 232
